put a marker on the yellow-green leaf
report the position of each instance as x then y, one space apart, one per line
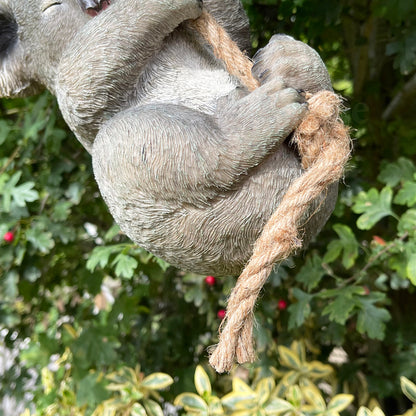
340 402
215 406
294 395
245 412
408 388
364 411
152 408
278 406
137 410
290 378
157 381
314 397
299 349
240 387
239 401
318 370
191 402
264 389
71 330
202 383
378 412
288 358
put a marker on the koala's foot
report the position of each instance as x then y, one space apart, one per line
296 63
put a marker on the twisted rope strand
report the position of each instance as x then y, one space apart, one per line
324 146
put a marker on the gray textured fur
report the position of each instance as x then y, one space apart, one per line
190 164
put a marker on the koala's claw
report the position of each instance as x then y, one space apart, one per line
94 7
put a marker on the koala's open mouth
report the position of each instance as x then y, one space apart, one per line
97 7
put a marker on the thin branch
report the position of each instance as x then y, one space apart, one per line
10 159
372 260
405 96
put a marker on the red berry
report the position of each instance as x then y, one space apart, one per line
221 314
8 237
379 240
281 305
366 290
210 280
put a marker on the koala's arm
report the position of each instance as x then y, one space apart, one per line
104 59
173 153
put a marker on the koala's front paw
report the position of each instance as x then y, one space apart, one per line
296 63
269 113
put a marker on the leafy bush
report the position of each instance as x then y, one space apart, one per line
295 394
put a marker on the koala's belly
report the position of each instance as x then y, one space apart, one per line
196 88
218 238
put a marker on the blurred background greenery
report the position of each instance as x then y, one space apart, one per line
85 306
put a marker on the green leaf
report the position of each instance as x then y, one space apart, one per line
408 389
191 402
346 243
112 232
75 192
157 381
407 222
202 383
311 272
125 265
394 173
91 391
371 319
339 310
152 408
24 193
7 187
61 211
4 131
411 269
9 285
100 255
406 195
373 206
41 240
299 310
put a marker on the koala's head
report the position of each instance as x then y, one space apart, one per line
33 35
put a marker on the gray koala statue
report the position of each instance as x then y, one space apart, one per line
190 163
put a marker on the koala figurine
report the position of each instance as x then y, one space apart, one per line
190 163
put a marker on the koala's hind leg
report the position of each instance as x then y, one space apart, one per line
297 64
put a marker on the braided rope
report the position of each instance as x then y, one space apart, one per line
324 145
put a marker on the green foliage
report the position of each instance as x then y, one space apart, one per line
85 304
